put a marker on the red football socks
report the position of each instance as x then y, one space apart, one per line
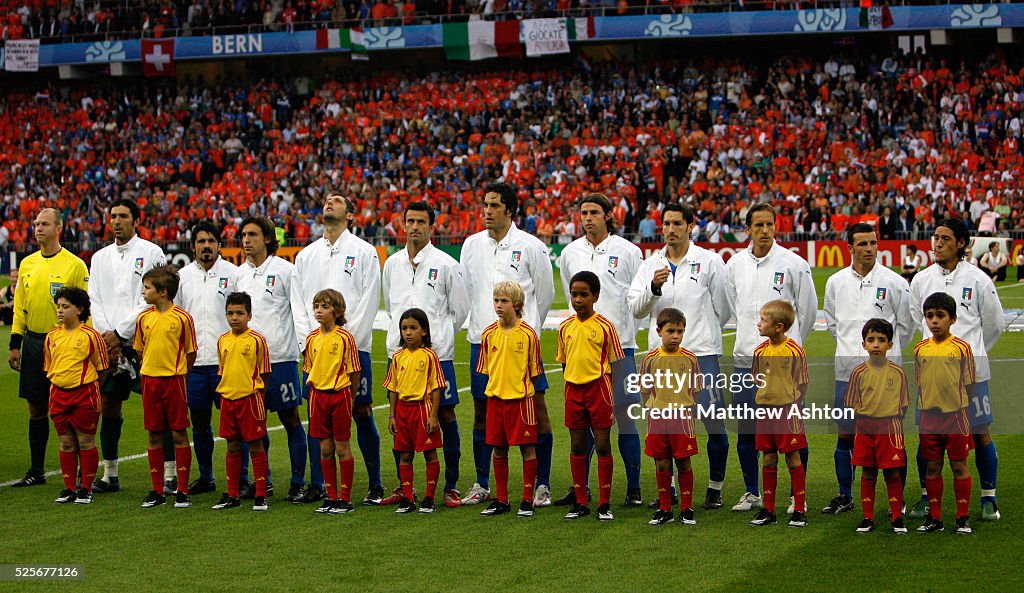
183 460
894 489
330 477
935 486
770 479
233 464
347 469
260 468
405 476
433 472
867 497
685 490
501 478
605 468
962 491
578 466
69 468
90 459
529 478
664 480
156 469
798 479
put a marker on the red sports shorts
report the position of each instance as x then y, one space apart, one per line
671 439
589 405
511 422
948 433
879 443
77 408
330 414
411 420
164 403
783 434
243 419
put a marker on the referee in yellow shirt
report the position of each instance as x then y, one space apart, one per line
41 275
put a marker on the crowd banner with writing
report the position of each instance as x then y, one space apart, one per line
21 55
545 37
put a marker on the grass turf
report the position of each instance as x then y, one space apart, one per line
166 549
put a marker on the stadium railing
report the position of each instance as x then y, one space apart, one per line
423 18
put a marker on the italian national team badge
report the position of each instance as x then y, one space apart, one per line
140 262
967 294
271 281
350 262
432 274
695 269
780 278
613 261
222 283
517 256
881 293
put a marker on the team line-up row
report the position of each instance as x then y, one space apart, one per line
682 276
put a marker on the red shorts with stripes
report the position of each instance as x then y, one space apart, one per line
782 434
411 422
589 405
879 443
164 403
330 414
945 433
511 422
77 408
243 419
671 438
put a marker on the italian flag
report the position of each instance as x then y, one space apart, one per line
350 39
479 40
580 29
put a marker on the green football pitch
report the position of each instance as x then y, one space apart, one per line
123 547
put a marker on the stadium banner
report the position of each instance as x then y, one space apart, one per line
545 37
616 28
21 55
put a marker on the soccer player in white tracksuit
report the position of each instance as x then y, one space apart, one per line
864 290
763 272
203 290
503 252
350 265
115 291
423 276
277 314
615 261
979 322
690 278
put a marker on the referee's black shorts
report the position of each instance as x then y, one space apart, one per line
33 384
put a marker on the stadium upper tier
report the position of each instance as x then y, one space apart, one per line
63 21
830 141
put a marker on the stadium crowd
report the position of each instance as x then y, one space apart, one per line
896 142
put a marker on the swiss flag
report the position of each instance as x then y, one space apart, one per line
158 57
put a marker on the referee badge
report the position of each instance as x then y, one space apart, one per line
54 287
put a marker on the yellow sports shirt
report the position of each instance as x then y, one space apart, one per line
39 279
330 358
783 369
74 358
587 348
878 392
164 340
510 359
243 360
414 374
943 371
685 383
